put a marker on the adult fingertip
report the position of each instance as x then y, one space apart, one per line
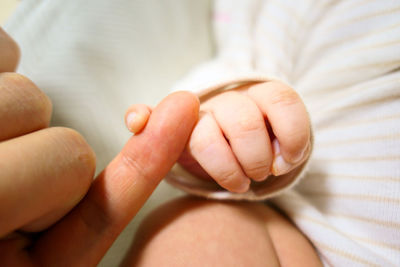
177 111
166 133
189 98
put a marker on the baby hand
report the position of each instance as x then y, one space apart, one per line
248 134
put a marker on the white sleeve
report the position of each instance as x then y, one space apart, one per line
232 67
233 27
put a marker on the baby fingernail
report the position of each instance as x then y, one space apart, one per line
244 187
262 178
280 166
300 156
275 146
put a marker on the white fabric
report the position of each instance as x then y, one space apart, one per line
343 57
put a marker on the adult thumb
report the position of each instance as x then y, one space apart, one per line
85 234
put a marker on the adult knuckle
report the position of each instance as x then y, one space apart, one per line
68 134
43 103
10 52
25 92
14 50
95 217
14 79
43 106
135 166
77 147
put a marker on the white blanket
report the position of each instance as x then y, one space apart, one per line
96 57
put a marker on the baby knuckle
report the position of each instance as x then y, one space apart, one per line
246 124
199 145
227 177
228 95
297 139
286 96
257 169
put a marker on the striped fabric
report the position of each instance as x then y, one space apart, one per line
343 58
95 57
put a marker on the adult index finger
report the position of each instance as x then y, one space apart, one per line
83 237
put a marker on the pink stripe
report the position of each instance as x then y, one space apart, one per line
222 17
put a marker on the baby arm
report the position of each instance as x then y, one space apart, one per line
245 134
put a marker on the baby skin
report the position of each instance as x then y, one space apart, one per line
244 134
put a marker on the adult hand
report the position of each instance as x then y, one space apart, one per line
51 213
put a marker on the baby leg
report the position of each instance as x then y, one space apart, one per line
196 232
